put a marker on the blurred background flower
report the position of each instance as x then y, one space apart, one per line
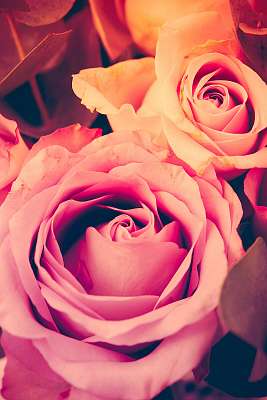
43 44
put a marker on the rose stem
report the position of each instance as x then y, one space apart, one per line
33 83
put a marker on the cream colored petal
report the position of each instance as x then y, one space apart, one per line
178 41
107 89
145 18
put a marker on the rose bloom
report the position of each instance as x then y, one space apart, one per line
122 22
112 260
13 151
255 187
208 104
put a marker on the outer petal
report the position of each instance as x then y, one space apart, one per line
141 379
151 141
186 147
13 151
177 41
117 91
29 377
231 166
72 138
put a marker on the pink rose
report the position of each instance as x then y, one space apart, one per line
110 293
255 186
207 103
123 22
13 151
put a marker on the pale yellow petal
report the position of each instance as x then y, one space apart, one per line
107 89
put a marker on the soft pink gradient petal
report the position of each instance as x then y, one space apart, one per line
101 307
166 320
170 324
141 223
193 231
29 377
15 311
19 242
169 178
152 141
13 151
45 169
253 184
72 138
172 359
125 268
8 130
230 166
224 210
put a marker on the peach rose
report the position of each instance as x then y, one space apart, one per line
13 151
111 291
121 22
208 104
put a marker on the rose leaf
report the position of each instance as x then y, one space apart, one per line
33 62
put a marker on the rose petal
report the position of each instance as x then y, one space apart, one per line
137 379
107 89
13 151
123 272
102 307
72 138
28 378
191 40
